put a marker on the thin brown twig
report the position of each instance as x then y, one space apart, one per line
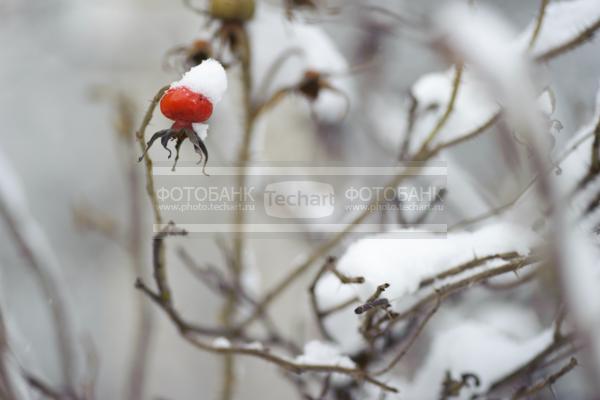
572 44
189 334
141 137
410 123
318 315
451 288
533 364
275 67
159 268
449 108
182 325
412 339
538 23
523 279
290 365
339 307
474 263
272 101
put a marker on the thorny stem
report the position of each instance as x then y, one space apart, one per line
476 262
443 292
521 280
451 288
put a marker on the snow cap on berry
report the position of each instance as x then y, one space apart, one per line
208 79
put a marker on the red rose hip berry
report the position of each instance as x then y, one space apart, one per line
182 105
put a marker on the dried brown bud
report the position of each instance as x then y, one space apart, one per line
311 84
199 51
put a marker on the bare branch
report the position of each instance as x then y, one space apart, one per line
411 340
549 381
538 23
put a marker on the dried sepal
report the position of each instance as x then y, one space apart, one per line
199 147
179 135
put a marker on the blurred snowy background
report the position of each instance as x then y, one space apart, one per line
57 55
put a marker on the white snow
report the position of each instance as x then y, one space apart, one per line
258 346
208 79
342 325
316 352
221 343
201 129
472 347
547 102
403 263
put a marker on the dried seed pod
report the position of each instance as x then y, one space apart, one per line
232 10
